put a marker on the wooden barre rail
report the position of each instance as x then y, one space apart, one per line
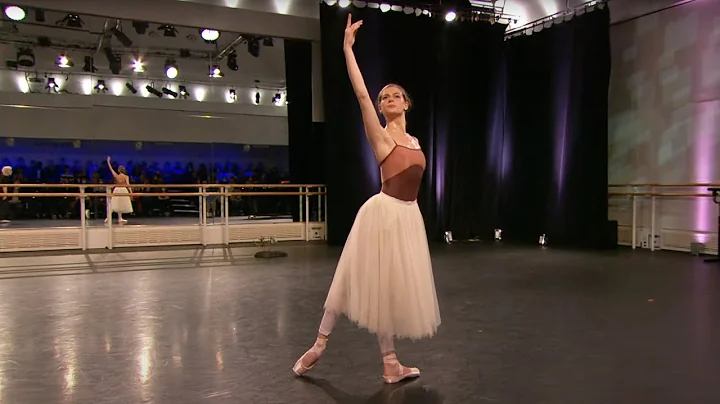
666 194
666 185
165 185
88 195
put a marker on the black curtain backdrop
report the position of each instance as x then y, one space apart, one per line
450 71
304 165
556 126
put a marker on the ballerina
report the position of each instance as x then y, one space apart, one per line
384 280
120 204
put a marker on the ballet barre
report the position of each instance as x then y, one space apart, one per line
653 191
223 194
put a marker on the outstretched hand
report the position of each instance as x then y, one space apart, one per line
350 31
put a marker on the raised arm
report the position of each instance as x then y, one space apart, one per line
376 134
112 170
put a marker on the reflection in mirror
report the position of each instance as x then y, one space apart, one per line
173 105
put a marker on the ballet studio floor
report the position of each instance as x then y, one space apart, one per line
520 325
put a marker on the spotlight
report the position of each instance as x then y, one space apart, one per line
232 95
51 85
121 37
101 87
153 91
64 62
15 13
277 99
168 30
140 27
253 47
543 240
183 92
232 61
25 57
138 66
171 70
215 72
114 61
72 21
131 87
450 16
169 92
89 65
343 3
209 35
384 7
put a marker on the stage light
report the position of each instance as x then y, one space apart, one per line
127 42
232 95
72 21
51 85
131 87
183 92
169 92
89 65
232 61
25 57
498 234
171 70
209 35
114 61
168 30
543 240
64 62
344 3
450 16
215 72
101 87
140 27
385 7
138 66
153 91
15 13
253 47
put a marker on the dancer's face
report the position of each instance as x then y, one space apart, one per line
392 101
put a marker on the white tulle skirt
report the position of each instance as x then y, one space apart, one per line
384 280
121 204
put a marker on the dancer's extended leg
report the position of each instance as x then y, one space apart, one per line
393 371
310 358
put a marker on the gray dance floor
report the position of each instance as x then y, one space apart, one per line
520 325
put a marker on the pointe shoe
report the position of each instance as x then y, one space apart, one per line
394 372
317 350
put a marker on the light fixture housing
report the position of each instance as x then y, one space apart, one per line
209 35
15 13
171 69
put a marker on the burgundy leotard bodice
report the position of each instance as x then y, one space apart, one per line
402 172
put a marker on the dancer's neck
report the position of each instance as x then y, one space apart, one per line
397 124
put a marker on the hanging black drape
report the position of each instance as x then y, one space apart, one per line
303 146
556 125
449 71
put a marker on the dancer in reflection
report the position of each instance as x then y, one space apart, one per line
120 204
384 281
